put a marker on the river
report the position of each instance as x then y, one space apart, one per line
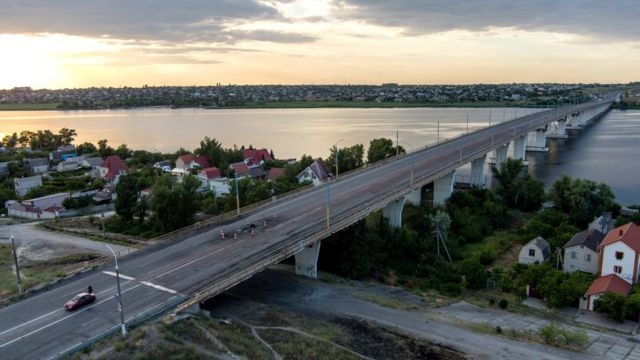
606 152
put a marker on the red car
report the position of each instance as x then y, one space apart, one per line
79 301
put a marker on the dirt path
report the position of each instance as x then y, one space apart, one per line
35 243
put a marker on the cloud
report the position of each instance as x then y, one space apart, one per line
169 21
597 19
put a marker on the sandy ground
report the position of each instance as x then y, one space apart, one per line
35 243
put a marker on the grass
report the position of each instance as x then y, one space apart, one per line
28 107
386 301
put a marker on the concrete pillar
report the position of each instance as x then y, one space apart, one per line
477 172
414 197
393 212
519 145
537 141
501 154
307 261
559 132
443 187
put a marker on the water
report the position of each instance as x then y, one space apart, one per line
609 151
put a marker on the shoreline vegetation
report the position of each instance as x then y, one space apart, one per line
314 105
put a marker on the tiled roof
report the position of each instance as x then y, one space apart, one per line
628 234
211 172
202 161
240 168
275 173
254 156
611 282
115 165
320 169
589 238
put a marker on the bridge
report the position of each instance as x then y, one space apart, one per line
197 263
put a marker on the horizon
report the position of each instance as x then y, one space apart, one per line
71 44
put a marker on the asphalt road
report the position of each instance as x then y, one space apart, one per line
159 277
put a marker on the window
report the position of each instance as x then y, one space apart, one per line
617 269
574 255
587 257
619 255
532 252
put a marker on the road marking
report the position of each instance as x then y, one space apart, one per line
57 321
148 283
122 276
159 287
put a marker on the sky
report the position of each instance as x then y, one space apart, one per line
115 43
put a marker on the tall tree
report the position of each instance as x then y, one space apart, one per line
349 158
67 136
381 149
582 200
127 199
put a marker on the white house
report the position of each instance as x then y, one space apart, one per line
23 185
581 252
619 253
535 251
317 172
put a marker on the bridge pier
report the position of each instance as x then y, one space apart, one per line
307 261
501 154
477 172
443 187
414 197
393 212
560 130
519 145
537 141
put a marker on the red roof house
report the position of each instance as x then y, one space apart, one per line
112 167
189 161
255 156
240 168
601 285
210 173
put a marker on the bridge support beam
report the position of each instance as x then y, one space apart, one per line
443 187
519 145
307 261
537 141
477 172
414 197
393 212
560 129
501 155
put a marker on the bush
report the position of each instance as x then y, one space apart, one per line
503 303
492 301
498 329
557 335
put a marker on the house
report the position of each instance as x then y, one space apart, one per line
105 195
112 167
255 157
317 172
23 185
601 285
603 223
535 251
62 150
241 169
190 161
45 207
67 166
274 173
220 186
4 169
92 162
164 165
36 165
620 253
581 252
209 173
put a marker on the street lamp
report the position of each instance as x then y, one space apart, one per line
122 325
412 151
468 122
237 194
337 153
15 260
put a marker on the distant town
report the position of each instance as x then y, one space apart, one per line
391 94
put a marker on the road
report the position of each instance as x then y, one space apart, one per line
159 277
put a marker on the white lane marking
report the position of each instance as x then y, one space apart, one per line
122 276
89 322
194 260
148 283
159 287
60 320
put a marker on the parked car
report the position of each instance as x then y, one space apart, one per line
79 301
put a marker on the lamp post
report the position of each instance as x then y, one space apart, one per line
104 236
237 194
15 260
120 308
468 122
438 133
328 203
412 151
337 153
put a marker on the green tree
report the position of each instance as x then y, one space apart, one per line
103 149
612 304
381 149
516 188
67 136
174 205
123 152
10 141
582 200
474 273
349 158
86 148
127 197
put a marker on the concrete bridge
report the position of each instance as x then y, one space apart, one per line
196 263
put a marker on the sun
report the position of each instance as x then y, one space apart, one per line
27 60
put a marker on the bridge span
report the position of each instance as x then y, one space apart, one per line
197 264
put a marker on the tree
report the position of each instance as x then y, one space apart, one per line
381 149
123 152
103 149
127 199
612 304
86 148
582 200
174 205
67 136
349 158
10 141
516 188
474 273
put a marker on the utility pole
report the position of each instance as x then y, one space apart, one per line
123 327
15 261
